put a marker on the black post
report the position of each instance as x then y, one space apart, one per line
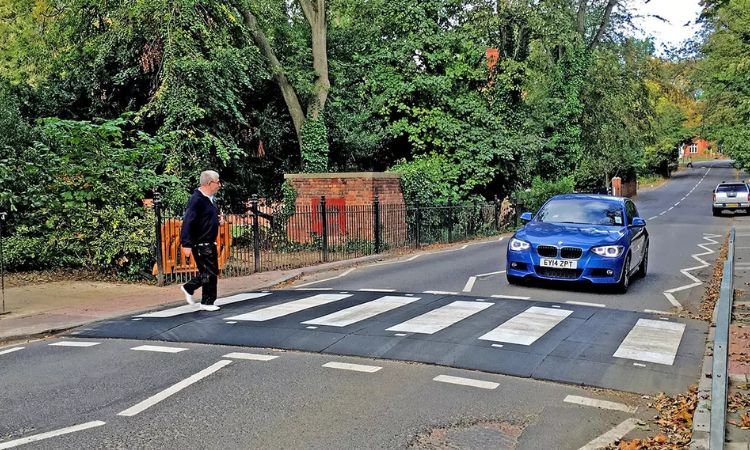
256 233
418 224
376 218
324 218
497 215
2 257
450 221
159 239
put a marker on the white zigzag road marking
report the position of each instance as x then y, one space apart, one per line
697 282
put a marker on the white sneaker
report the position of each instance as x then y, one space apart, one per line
188 297
209 307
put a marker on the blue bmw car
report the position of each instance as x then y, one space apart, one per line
580 237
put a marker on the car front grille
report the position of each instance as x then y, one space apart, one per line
571 252
551 272
547 251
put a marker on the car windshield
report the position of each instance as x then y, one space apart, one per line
732 188
593 212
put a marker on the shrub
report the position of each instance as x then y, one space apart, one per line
532 199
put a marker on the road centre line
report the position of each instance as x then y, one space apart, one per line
73 344
652 218
347 272
158 348
602 404
51 434
249 356
352 367
598 305
612 435
470 284
513 297
154 399
11 350
466 382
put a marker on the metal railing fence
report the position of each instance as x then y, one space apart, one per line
273 236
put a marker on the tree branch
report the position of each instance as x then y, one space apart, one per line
602 24
581 16
287 90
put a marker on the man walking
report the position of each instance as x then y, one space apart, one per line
200 227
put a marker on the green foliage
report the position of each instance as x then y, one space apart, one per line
428 179
541 190
80 202
314 146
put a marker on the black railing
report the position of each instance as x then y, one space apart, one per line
277 237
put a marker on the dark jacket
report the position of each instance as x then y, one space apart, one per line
201 222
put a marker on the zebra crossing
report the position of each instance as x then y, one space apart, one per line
513 336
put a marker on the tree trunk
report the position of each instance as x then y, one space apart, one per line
315 13
602 24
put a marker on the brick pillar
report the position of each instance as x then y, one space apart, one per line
617 187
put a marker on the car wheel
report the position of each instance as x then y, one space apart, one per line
643 266
514 279
624 283
717 212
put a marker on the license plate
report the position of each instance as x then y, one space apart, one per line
732 205
559 263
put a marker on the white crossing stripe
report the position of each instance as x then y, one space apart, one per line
466 382
160 349
353 367
603 404
437 319
284 309
187 309
612 435
51 434
249 356
11 350
653 341
528 326
175 388
74 344
364 311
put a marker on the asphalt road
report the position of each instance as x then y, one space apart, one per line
394 389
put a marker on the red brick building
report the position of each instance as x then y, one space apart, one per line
698 148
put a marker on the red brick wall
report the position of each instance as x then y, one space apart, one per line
353 192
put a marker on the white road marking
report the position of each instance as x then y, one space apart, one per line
612 435
312 328
677 204
187 309
249 356
158 349
51 434
652 341
11 350
376 290
683 198
670 208
466 382
470 284
231 322
501 238
347 272
443 317
353 367
555 306
276 311
598 305
697 282
652 218
400 334
662 213
639 365
137 318
527 327
602 404
354 314
440 292
74 344
516 297
656 311
154 399
490 273
314 289
498 345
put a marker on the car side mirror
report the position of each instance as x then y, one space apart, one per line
638 222
525 217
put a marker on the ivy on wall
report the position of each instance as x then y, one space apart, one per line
314 146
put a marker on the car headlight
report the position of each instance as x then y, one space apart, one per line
609 251
517 244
